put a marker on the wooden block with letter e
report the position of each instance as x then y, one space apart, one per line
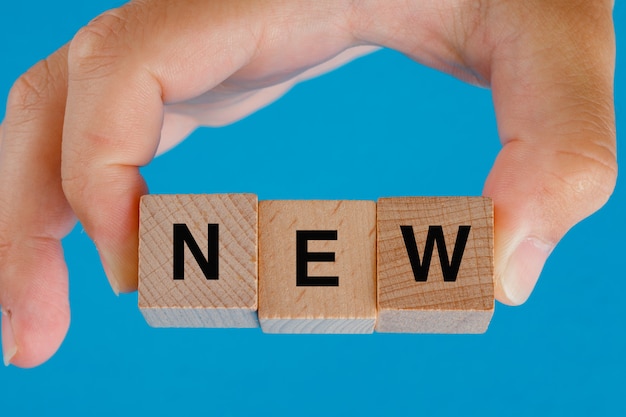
435 264
198 260
317 266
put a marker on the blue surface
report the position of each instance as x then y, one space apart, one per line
562 353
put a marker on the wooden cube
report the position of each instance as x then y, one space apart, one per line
317 266
198 260
435 264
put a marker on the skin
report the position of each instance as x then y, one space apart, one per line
138 79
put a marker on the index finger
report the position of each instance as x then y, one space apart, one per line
128 62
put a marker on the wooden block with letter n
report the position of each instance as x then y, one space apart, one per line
435 264
198 260
317 266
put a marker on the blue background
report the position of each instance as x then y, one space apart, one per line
380 126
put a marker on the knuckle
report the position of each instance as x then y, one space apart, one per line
588 173
79 164
98 45
32 89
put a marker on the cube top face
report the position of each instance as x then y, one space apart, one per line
468 288
289 307
237 217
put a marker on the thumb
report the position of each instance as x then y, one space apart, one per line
552 87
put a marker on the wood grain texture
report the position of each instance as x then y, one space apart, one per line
349 307
231 300
405 305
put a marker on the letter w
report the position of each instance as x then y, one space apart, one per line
210 265
435 234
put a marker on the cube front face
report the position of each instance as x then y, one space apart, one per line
317 270
455 292
182 286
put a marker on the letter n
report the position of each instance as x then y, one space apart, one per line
208 265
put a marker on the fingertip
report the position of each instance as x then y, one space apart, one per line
121 273
521 272
29 342
35 302
106 201
9 346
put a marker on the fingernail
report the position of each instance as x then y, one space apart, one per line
115 286
524 267
9 347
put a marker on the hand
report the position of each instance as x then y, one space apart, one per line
139 79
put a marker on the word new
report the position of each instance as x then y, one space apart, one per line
297 266
209 265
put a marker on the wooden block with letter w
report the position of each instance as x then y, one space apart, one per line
435 264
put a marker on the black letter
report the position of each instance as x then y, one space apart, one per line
210 265
435 233
303 257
